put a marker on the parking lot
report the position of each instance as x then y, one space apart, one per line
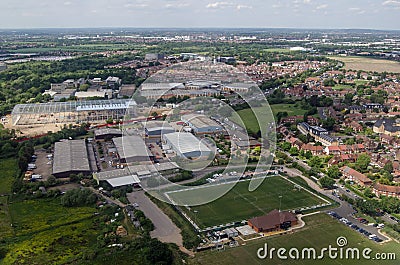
361 225
43 165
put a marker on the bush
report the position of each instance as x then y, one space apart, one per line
78 197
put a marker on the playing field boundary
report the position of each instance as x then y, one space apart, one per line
231 224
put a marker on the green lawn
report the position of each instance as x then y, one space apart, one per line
320 231
8 172
249 119
291 109
342 87
240 204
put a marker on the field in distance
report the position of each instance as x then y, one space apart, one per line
240 204
368 64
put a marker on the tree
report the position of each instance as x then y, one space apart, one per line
286 146
326 182
363 161
314 161
368 193
281 115
348 131
388 167
329 123
294 151
333 172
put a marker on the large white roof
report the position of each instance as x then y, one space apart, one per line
185 142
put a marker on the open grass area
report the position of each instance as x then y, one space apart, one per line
33 216
44 232
342 87
249 119
8 172
291 109
368 64
320 231
5 219
60 245
240 204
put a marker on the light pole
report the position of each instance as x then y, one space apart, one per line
195 216
280 202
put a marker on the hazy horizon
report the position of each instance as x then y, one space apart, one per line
295 14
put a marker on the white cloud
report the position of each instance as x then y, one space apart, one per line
306 1
136 5
177 5
391 3
324 6
220 5
240 7
67 3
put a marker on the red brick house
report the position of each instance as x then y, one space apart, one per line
357 177
386 190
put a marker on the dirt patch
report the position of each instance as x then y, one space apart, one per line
66 187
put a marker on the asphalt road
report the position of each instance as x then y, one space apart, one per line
165 230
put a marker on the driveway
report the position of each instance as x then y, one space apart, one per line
165 230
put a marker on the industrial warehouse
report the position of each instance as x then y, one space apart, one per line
70 157
186 145
201 124
132 149
154 129
72 111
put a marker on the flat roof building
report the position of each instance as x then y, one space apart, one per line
186 145
133 174
132 149
201 124
70 157
107 132
154 129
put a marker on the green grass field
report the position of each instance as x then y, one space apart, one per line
5 219
8 172
61 245
320 231
44 232
36 215
240 204
342 87
249 119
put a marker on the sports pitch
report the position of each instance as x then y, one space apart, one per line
240 204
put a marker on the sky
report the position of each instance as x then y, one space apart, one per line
337 14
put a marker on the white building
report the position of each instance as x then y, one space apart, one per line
186 145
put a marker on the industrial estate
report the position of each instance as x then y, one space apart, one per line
197 149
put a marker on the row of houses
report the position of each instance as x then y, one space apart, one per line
364 181
328 150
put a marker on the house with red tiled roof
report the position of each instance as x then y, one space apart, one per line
355 176
315 150
386 190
